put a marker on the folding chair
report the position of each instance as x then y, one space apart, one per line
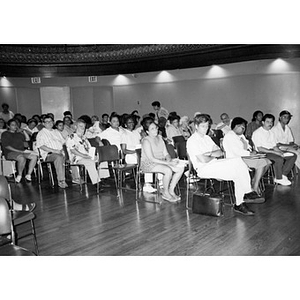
81 167
18 217
110 154
8 248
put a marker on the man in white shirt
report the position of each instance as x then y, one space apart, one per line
203 153
235 144
284 136
50 142
265 142
225 124
159 111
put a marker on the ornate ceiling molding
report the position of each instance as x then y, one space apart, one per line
91 54
49 60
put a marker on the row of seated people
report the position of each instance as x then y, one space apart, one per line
126 138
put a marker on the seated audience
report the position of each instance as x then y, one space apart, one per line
265 142
155 158
59 127
104 122
225 124
50 142
236 145
173 128
204 154
13 149
113 133
130 140
79 153
68 130
162 124
95 129
6 114
185 127
255 124
284 136
38 119
2 127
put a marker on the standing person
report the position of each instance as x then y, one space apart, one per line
265 142
284 136
205 154
159 111
225 124
78 148
155 158
13 149
6 114
50 143
236 145
255 124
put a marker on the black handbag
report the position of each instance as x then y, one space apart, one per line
211 204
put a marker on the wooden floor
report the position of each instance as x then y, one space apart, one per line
72 223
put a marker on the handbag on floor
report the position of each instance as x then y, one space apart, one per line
208 203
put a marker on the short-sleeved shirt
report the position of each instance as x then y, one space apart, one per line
172 131
198 145
50 138
234 145
264 138
132 139
13 139
6 117
112 135
283 136
80 144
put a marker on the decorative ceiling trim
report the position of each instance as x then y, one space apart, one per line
97 60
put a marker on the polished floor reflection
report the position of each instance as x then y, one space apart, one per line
70 222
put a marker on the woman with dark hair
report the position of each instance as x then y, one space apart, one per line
155 158
113 133
13 149
67 131
173 128
130 139
255 123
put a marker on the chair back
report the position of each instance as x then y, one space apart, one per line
171 150
105 142
93 142
181 150
178 139
4 188
66 152
108 153
138 156
5 217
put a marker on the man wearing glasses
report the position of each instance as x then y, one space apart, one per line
284 136
50 143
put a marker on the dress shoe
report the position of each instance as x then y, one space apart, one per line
243 209
253 197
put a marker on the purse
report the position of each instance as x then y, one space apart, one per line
211 204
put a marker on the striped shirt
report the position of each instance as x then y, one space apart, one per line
49 138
